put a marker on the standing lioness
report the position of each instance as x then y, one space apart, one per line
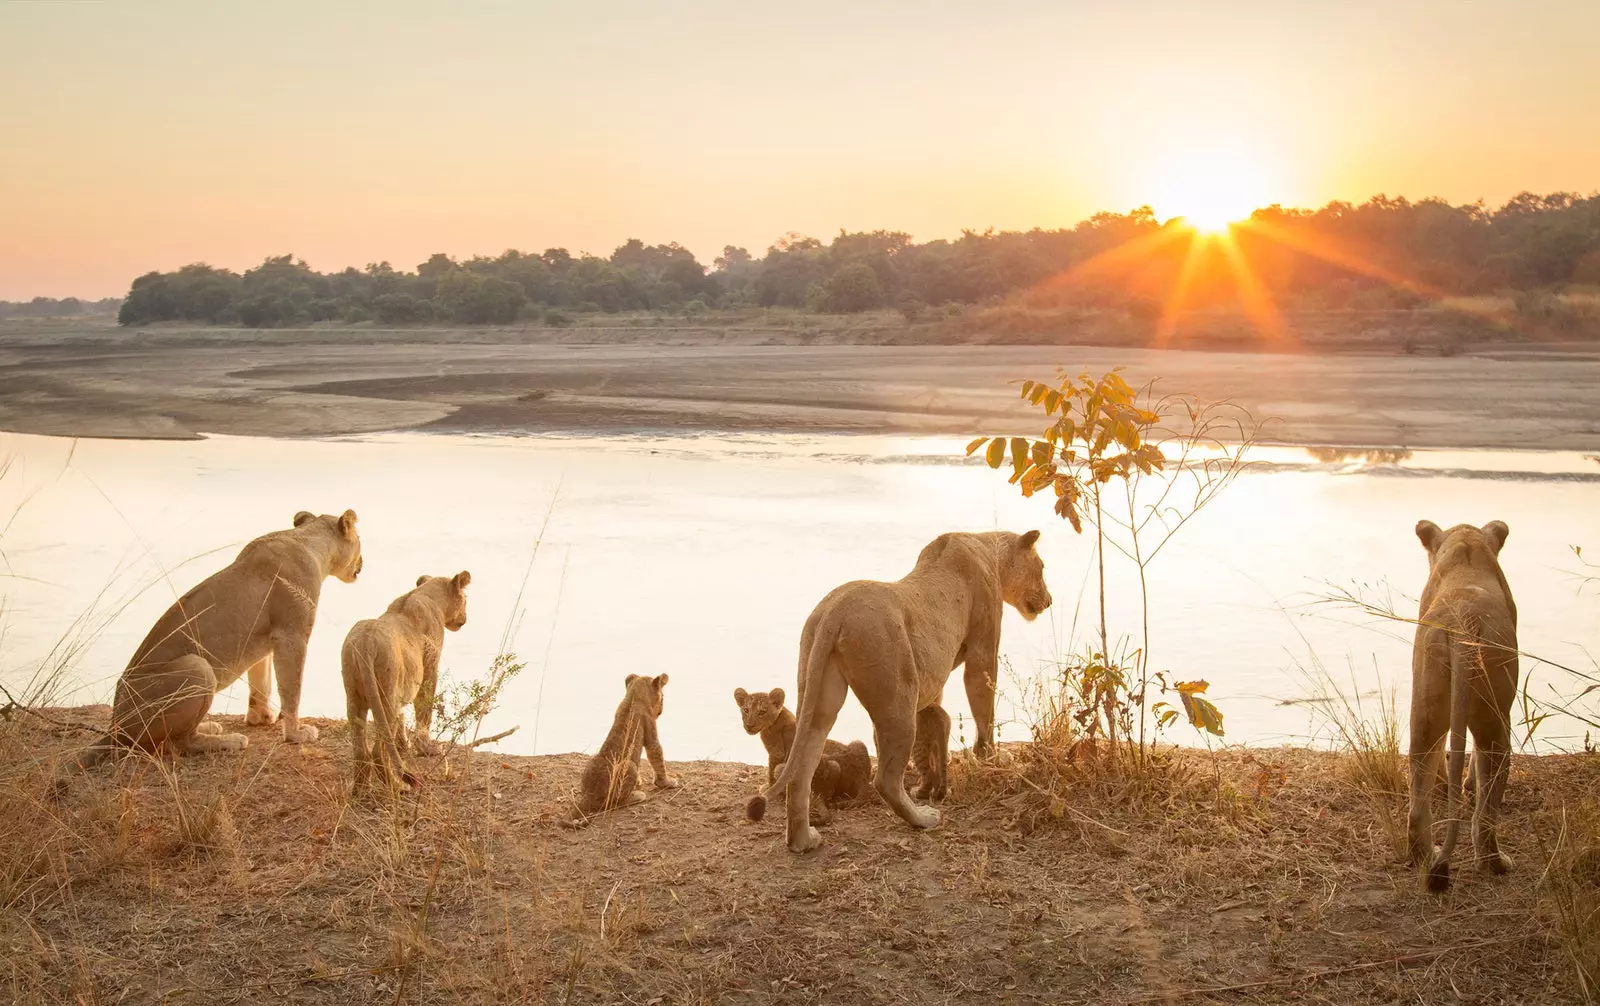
253 616
895 645
1463 678
393 660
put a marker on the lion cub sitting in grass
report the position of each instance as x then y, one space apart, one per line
843 773
393 660
611 779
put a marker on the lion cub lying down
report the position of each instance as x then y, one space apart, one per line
393 660
611 779
842 774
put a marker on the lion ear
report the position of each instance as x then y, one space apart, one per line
303 516
1428 533
661 681
1028 540
422 579
462 579
347 523
777 696
630 679
1497 531
741 696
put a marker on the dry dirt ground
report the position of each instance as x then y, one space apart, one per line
1256 877
177 383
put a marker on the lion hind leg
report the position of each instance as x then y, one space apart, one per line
811 736
162 706
896 735
1492 766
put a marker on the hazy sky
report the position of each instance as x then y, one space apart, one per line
146 135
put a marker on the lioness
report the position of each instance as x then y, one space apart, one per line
611 778
843 772
393 660
895 645
1463 678
254 615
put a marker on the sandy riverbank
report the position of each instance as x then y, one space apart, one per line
168 383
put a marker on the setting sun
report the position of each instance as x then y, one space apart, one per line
1212 188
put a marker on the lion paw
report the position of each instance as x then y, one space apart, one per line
1498 863
209 728
925 817
668 782
425 746
805 842
260 716
231 742
299 733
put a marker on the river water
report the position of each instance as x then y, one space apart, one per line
700 557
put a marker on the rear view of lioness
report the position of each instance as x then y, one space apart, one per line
1463 678
254 616
611 778
895 645
843 772
392 661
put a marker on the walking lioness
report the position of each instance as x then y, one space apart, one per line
895 645
1463 678
392 661
253 616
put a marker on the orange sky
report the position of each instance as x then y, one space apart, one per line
145 136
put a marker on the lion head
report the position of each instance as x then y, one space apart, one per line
1463 543
450 594
1022 577
345 562
760 709
647 691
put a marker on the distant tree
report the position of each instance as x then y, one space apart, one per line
853 288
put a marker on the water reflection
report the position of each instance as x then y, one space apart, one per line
702 556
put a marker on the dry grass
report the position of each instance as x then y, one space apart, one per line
254 877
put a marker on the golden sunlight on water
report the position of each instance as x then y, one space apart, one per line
701 557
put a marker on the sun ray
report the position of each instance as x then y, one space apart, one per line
1167 326
1126 253
1255 297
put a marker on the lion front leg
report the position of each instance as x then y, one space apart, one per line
289 660
658 762
260 677
423 705
980 677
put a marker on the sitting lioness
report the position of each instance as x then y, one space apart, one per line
1463 678
392 661
843 772
253 616
895 645
611 778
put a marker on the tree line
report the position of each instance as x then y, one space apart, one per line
1386 252
64 307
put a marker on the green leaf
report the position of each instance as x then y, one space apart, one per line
1039 391
1019 455
1027 389
1052 401
996 452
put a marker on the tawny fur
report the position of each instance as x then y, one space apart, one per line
895 645
392 661
843 773
252 617
611 778
1464 672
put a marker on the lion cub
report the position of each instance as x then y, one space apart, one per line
393 660
843 772
611 778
